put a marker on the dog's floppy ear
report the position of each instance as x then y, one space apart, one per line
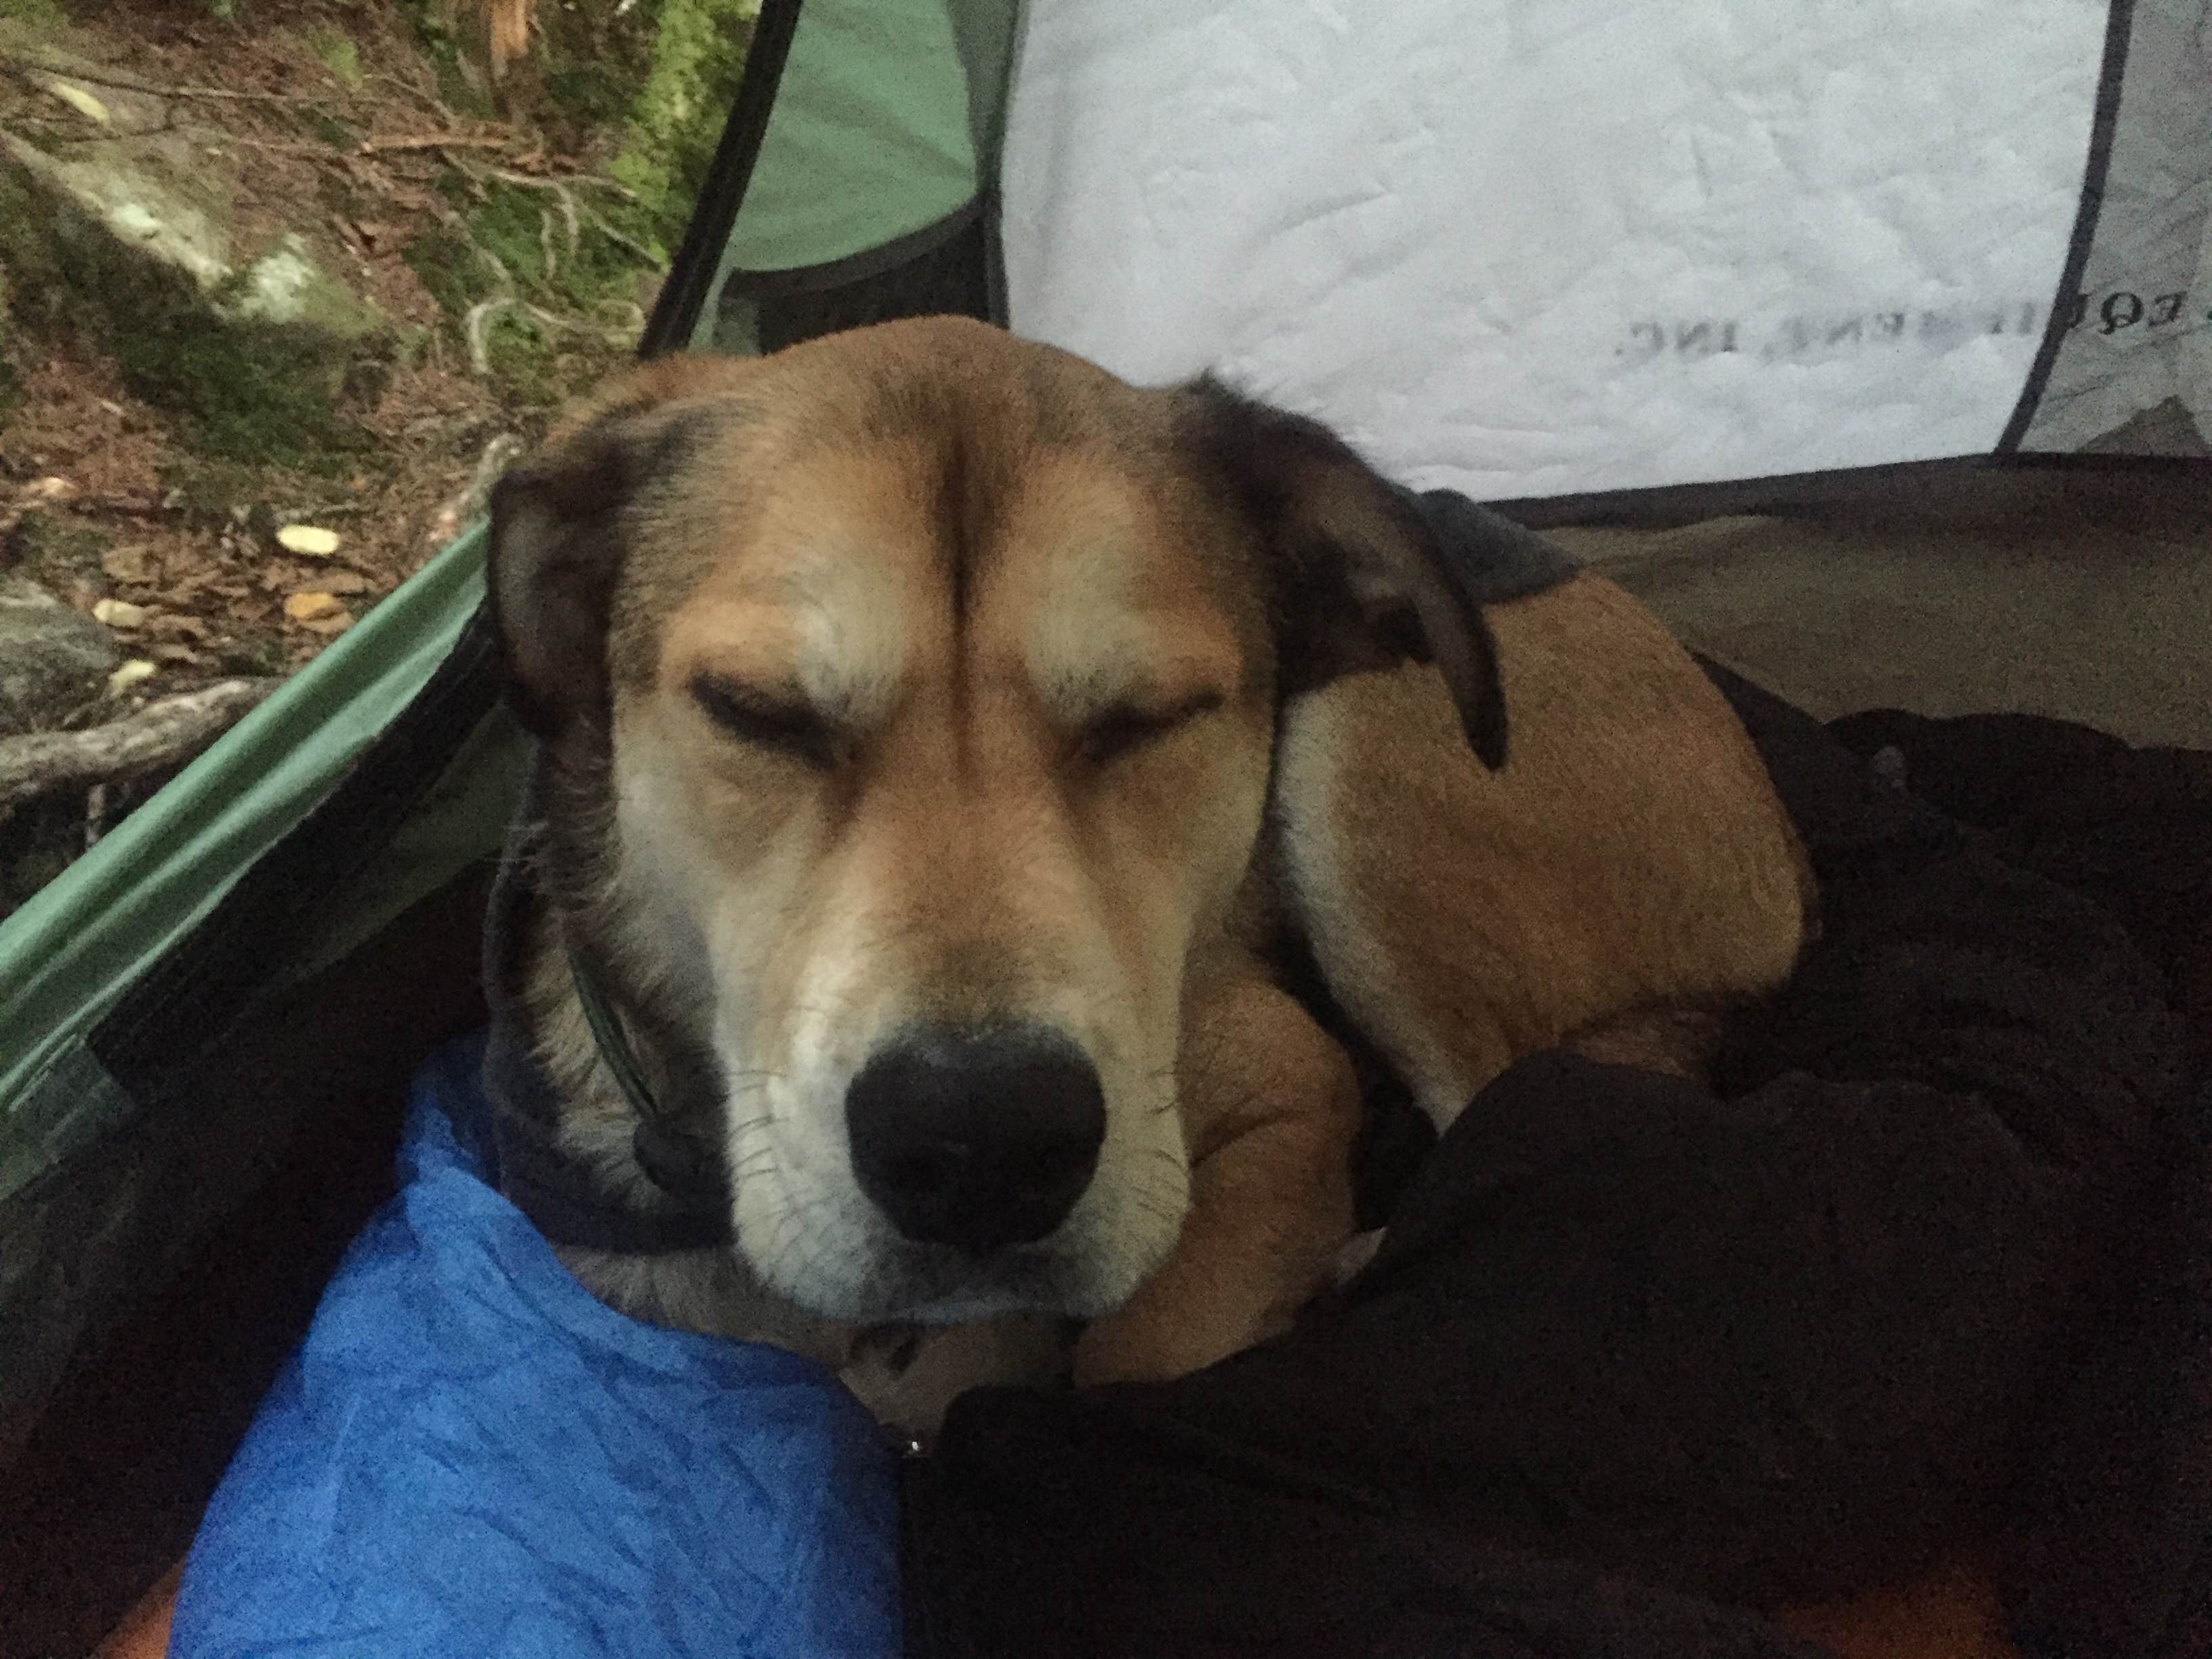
1362 580
559 536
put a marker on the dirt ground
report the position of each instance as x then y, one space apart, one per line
109 500
371 126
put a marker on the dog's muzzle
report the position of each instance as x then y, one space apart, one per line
979 1140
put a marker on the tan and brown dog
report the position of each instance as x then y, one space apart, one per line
942 736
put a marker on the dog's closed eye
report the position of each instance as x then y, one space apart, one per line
1125 727
765 719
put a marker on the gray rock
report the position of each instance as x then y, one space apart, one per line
131 239
53 660
156 203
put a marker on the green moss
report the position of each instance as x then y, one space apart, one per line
39 281
676 118
261 393
336 50
36 17
42 545
525 359
531 363
449 268
588 93
331 131
516 225
506 226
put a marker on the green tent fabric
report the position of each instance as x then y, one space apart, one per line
74 954
832 181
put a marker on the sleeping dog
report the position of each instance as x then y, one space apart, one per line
942 744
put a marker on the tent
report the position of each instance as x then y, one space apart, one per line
1642 270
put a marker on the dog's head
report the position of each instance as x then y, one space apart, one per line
914 691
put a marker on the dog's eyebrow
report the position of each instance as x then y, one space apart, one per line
1151 688
794 647
784 689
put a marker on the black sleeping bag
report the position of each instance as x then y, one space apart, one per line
1927 1265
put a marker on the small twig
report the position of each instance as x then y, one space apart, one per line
632 315
464 508
95 815
572 211
454 222
323 152
468 175
133 83
476 329
651 259
131 507
161 734
566 325
495 264
569 221
560 180
99 134
437 104
576 212
415 141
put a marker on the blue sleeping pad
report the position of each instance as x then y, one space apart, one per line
471 1455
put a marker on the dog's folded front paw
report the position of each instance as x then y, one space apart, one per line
1137 1346
909 1377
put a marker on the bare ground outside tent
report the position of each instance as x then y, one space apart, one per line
221 491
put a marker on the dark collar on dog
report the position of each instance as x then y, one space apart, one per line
567 1196
675 1159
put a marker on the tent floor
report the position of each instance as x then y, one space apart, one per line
2089 602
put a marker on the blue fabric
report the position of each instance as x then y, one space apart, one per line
471 1455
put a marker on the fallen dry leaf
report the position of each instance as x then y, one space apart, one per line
176 628
77 99
126 563
119 613
130 674
179 653
332 626
306 607
44 492
309 540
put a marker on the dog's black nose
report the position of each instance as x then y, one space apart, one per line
979 1140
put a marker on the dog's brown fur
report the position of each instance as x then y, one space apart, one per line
999 547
